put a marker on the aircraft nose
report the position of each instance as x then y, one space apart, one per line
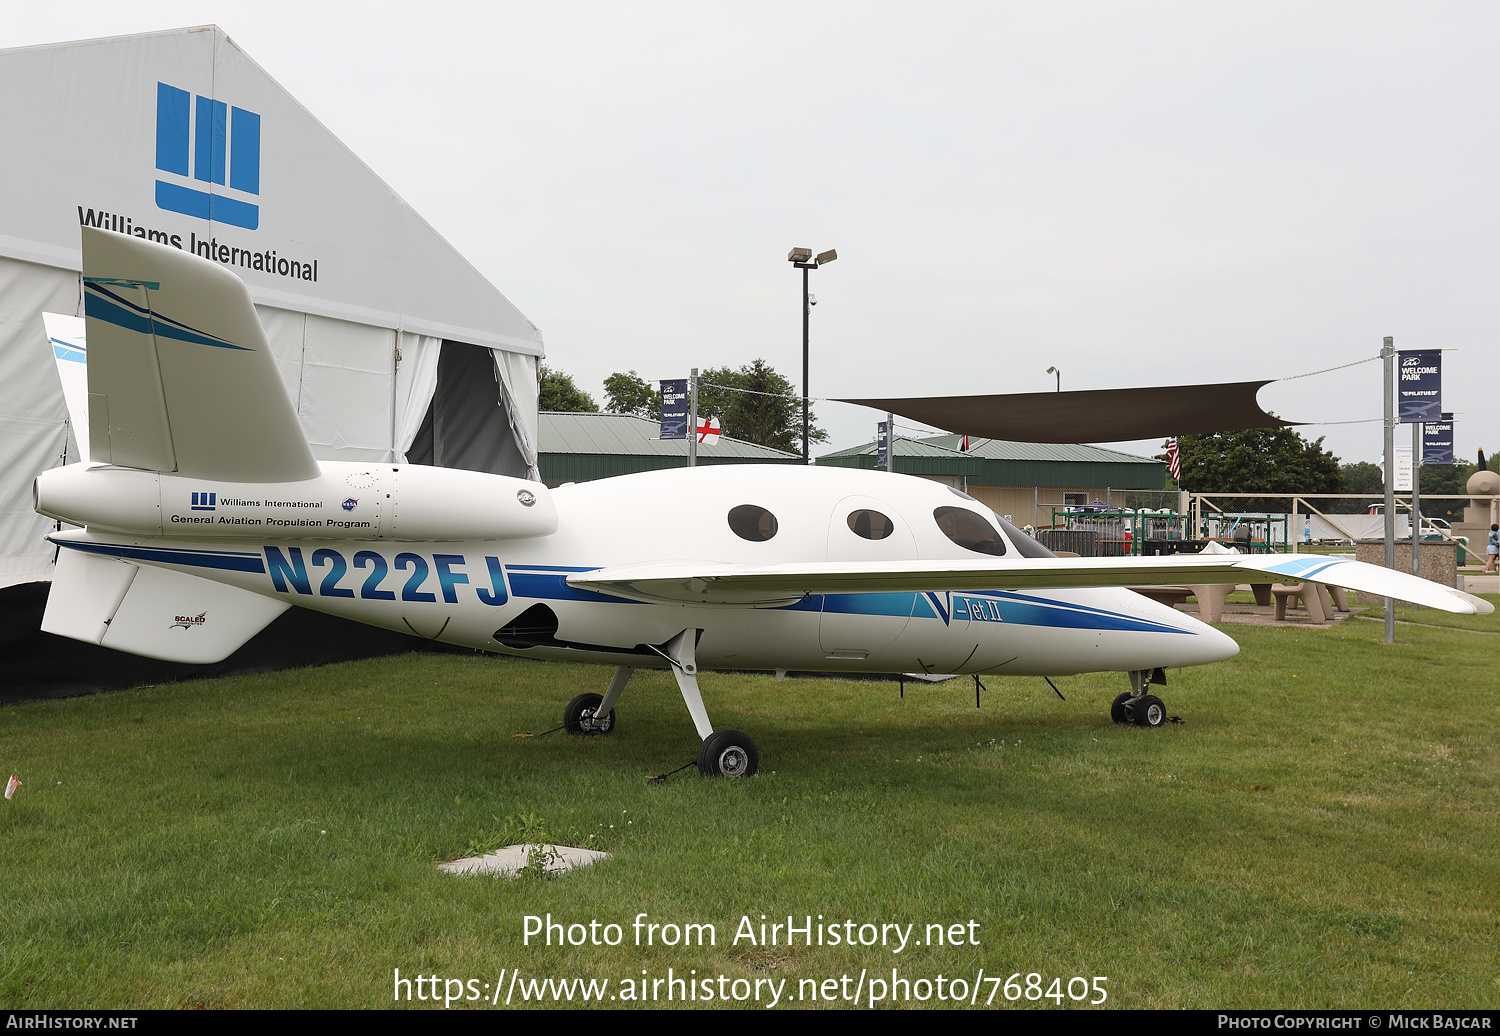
1220 645
1205 645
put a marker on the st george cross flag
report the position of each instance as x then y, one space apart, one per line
1174 461
708 430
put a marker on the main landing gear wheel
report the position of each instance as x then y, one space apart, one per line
1117 709
1149 711
578 717
728 753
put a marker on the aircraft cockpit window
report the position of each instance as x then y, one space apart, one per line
752 522
872 525
1025 544
969 530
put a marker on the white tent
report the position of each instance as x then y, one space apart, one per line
378 325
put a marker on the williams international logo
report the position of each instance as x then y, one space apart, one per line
205 501
209 153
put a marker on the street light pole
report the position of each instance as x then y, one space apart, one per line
1054 370
804 260
1388 359
806 317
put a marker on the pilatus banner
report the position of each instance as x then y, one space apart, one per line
674 409
1419 386
1437 441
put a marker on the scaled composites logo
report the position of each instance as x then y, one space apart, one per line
213 143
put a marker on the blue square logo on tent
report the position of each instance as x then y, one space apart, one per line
216 145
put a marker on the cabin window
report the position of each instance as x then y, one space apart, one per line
969 530
752 522
872 525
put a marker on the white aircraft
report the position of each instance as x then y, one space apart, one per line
204 515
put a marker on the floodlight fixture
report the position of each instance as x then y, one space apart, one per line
1054 370
827 257
799 255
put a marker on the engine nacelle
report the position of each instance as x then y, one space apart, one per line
347 501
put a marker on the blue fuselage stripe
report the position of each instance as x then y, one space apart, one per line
549 583
230 561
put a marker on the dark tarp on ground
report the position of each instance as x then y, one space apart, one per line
467 426
1098 415
36 665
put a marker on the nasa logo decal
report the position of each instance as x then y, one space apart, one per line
526 496
350 504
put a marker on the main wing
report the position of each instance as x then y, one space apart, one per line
715 583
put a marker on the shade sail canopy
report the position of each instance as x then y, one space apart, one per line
1099 415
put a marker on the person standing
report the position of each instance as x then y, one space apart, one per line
1493 549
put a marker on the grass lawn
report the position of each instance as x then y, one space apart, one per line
1432 617
1321 832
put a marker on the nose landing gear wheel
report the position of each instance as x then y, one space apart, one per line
1149 711
578 717
728 753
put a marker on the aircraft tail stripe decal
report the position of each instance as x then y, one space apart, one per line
105 305
69 350
231 561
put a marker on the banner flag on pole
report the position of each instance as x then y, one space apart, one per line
1174 460
708 430
1437 441
674 409
1419 386
882 443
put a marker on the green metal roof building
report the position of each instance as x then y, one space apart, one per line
581 447
913 457
1022 479
1057 464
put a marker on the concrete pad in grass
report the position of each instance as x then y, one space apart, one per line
513 858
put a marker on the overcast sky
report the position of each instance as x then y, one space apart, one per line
1144 193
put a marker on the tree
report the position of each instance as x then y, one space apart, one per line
753 403
1446 480
1437 480
632 394
1267 460
1359 477
557 392
756 404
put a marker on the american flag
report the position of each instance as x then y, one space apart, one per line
1174 460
